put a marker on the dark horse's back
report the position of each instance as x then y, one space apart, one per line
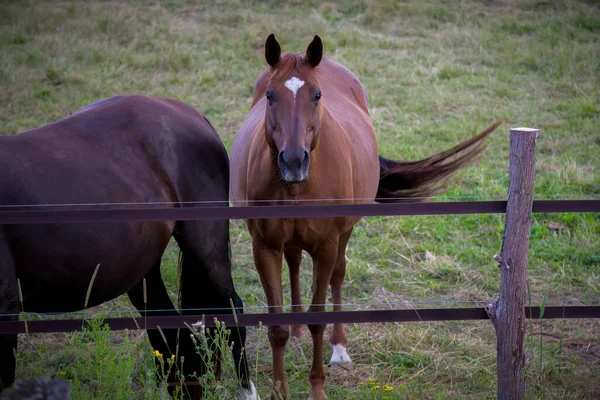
125 149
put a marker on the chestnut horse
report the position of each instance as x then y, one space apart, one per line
309 136
119 150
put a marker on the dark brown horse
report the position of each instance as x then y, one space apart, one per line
119 150
309 136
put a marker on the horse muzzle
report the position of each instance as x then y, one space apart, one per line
294 164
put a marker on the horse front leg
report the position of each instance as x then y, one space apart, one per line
155 297
293 256
324 259
268 263
10 306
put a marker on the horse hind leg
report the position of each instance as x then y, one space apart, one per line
293 257
237 342
338 340
9 309
205 282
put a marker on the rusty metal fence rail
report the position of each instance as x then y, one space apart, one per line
155 213
346 317
171 213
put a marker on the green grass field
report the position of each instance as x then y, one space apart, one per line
436 72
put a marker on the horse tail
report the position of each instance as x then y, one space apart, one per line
417 180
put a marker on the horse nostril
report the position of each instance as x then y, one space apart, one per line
281 158
305 156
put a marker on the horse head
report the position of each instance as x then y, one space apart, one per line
293 107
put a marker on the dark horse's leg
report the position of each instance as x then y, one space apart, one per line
205 282
157 298
9 304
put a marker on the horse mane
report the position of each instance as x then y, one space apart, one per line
416 180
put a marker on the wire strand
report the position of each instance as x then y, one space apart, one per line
407 303
307 201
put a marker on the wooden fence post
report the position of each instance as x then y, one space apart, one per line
508 312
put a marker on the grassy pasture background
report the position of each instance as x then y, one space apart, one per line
436 72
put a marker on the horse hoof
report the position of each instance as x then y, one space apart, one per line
250 393
318 395
340 355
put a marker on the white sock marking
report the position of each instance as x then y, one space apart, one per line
294 84
250 393
340 355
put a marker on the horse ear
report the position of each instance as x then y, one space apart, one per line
272 50
314 52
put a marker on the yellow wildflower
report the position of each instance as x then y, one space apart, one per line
371 381
376 387
158 354
387 388
172 356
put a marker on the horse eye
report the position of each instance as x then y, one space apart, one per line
318 96
269 95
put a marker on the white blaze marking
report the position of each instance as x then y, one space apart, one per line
294 84
340 355
250 393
